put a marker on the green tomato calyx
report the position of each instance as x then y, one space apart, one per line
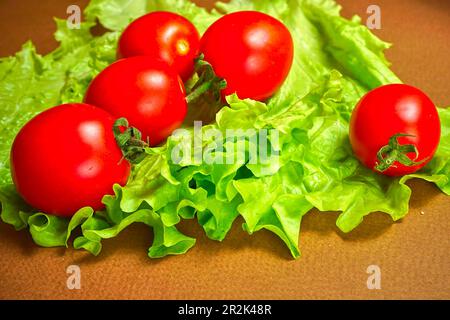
395 152
129 140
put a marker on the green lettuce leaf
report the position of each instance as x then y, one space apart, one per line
310 165
32 83
117 14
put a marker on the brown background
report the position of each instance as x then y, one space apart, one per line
413 254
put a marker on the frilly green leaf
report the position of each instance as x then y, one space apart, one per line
312 165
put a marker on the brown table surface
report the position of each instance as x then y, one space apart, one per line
413 254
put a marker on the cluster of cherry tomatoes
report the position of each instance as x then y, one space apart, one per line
67 157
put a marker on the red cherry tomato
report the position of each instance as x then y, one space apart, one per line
395 129
149 94
67 158
251 50
162 35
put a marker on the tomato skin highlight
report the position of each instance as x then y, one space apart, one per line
67 158
395 109
252 51
149 94
162 36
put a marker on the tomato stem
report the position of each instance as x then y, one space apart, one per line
129 140
395 152
208 84
198 92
